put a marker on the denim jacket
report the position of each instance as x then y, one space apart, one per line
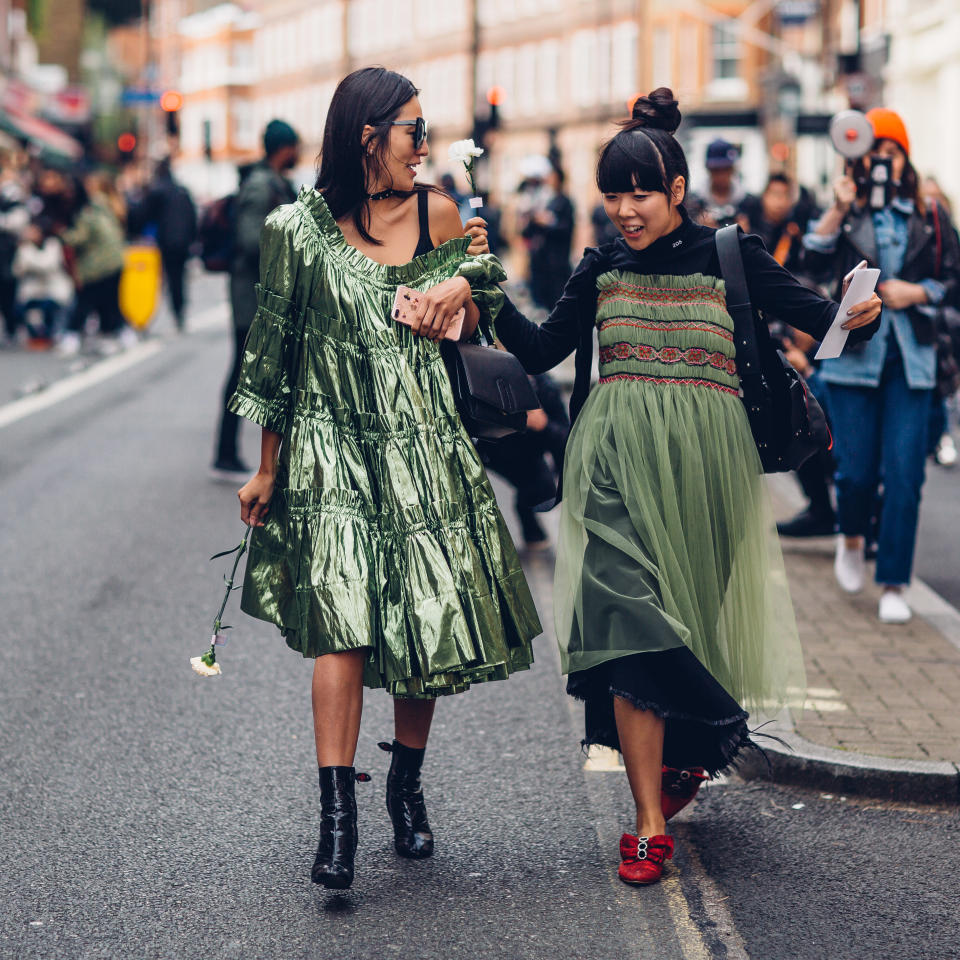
883 237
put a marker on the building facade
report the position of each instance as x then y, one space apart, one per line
565 72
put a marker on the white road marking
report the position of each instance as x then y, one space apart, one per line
211 318
70 386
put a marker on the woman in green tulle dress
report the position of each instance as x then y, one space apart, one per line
671 603
379 547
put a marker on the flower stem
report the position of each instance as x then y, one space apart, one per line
241 550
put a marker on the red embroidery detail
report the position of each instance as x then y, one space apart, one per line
631 292
682 381
695 356
670 325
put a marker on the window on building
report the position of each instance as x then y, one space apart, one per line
624 40
726 52
663 57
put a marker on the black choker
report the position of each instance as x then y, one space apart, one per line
382 195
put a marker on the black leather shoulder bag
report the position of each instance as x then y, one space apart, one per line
490 387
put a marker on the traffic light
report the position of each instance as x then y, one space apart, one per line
483 125
126 144
170 102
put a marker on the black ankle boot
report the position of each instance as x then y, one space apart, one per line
411 831
333 866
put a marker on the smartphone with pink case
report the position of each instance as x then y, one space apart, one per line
405 310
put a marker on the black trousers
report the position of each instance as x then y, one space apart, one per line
101 297
174 271
230 422
8 295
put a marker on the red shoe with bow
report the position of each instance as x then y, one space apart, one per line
643 858
678 788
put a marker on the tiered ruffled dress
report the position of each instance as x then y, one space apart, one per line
383 532
670 586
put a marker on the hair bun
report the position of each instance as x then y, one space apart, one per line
658 110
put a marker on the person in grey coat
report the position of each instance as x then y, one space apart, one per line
263 186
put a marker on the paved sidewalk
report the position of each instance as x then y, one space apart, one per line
886 691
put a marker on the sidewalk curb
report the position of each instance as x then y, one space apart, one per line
805 763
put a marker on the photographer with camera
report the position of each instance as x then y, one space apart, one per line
881 391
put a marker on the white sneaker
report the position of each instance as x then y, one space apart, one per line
128 338
946 451
849 567
893 608
69 344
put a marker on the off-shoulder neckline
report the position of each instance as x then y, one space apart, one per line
315 204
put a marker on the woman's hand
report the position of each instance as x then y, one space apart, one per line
255 496
438 306
476 229
862 314
844 194
898 294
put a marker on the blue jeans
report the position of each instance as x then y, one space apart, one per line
880 435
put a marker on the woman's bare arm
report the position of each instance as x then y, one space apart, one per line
255 495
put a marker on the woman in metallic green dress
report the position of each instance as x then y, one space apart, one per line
379 549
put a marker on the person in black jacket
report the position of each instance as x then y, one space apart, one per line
671 605
170 207
522 459
548 229
881 393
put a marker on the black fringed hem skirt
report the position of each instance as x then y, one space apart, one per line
705 726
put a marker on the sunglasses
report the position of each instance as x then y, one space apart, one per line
419 129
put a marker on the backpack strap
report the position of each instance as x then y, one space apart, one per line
739 307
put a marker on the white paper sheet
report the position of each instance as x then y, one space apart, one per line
861 288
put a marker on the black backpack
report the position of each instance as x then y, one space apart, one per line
787 423
217 229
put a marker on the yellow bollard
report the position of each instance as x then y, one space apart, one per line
140 284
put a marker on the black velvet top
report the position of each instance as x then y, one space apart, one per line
687 250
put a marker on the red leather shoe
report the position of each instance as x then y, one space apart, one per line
643 858
678 788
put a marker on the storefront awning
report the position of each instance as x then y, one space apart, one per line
40 133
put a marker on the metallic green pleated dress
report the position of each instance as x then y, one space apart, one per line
383 532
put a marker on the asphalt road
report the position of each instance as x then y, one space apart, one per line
148 813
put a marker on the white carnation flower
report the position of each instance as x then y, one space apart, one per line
463 151
203 669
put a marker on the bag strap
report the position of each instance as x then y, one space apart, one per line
739 307
936 226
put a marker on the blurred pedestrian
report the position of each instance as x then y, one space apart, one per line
780 220
263 187
881 392
44 288
670 596
546 223
381 552
96 239
720 206
531 461
14 218
170 207
818 518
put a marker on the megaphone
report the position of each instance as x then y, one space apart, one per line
851 134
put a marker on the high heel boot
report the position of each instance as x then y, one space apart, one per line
411 830
333 866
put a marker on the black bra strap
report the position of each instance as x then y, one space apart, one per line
424 244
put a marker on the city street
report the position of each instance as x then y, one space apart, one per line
149 813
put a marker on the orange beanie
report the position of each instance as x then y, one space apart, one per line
887 125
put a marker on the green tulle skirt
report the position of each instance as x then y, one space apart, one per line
667 540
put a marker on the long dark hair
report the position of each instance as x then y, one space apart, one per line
374 96
645 155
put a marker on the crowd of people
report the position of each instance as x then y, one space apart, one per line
63 235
